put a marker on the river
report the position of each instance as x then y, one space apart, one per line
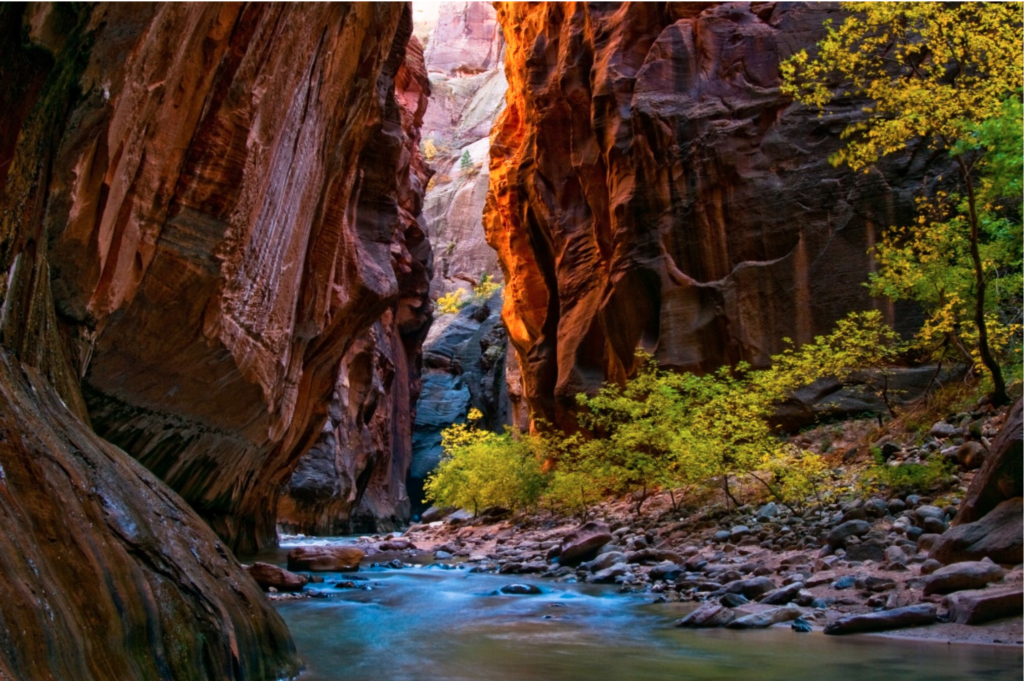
429 624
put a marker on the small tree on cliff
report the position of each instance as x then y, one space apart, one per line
934 72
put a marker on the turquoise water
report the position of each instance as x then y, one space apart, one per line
425 624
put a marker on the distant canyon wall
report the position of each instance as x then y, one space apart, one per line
650 186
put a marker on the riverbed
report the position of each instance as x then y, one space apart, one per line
426 623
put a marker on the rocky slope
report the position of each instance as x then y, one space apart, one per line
651 186
219 216
353 479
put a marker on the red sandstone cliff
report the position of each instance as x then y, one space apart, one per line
651 186
354 477
220 214
200 215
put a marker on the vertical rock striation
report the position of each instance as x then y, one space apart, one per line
651 186
200 215
218 214
353 479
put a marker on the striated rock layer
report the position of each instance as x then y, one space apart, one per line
209 195
353 479
651 186
106 573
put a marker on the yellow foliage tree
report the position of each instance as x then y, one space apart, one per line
932 72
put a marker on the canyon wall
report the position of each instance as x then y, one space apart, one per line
202 212
353 479
650 186
221 217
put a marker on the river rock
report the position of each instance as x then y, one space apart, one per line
604 560
782 595
869 550
267 576
666 570
751 588
961 576
978 607
941 429
325 558
731 600
766 618
996 535
897 618
433 514
583 542
644 556
608 575
520 589
852 528
707 615
971 455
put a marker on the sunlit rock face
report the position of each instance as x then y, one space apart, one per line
353 479
467 80
217 218
650 186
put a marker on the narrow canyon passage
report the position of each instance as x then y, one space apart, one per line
430 340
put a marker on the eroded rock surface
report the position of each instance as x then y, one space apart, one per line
107 573
353 479
651 186
209 195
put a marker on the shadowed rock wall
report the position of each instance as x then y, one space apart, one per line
219 208
353 479
651 186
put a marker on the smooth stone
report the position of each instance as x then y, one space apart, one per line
707 615
765 619
978 607
782 595
997 535
962 576
897 618
751 588
852 528
325 558
584 542
520 589
271 576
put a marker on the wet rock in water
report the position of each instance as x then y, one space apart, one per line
782 595
706 616
852 528
442 555
978 607
765 619
520 589
884 620
608 575
325 558
801 626
997 535
731 600
270 576
751 588
583 543
962 576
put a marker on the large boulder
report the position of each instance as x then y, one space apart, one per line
997 536
325 558
978 607
962 576
1001 476
270 576
583 543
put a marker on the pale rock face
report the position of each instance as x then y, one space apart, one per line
464 62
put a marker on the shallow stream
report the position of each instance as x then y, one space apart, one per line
429 624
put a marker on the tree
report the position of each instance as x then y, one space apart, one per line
466 161
938 73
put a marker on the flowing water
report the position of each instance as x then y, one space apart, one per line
429 624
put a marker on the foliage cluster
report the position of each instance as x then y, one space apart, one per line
452 302
908 477
666 430
950 76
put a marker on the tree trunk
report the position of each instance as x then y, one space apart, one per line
999 396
